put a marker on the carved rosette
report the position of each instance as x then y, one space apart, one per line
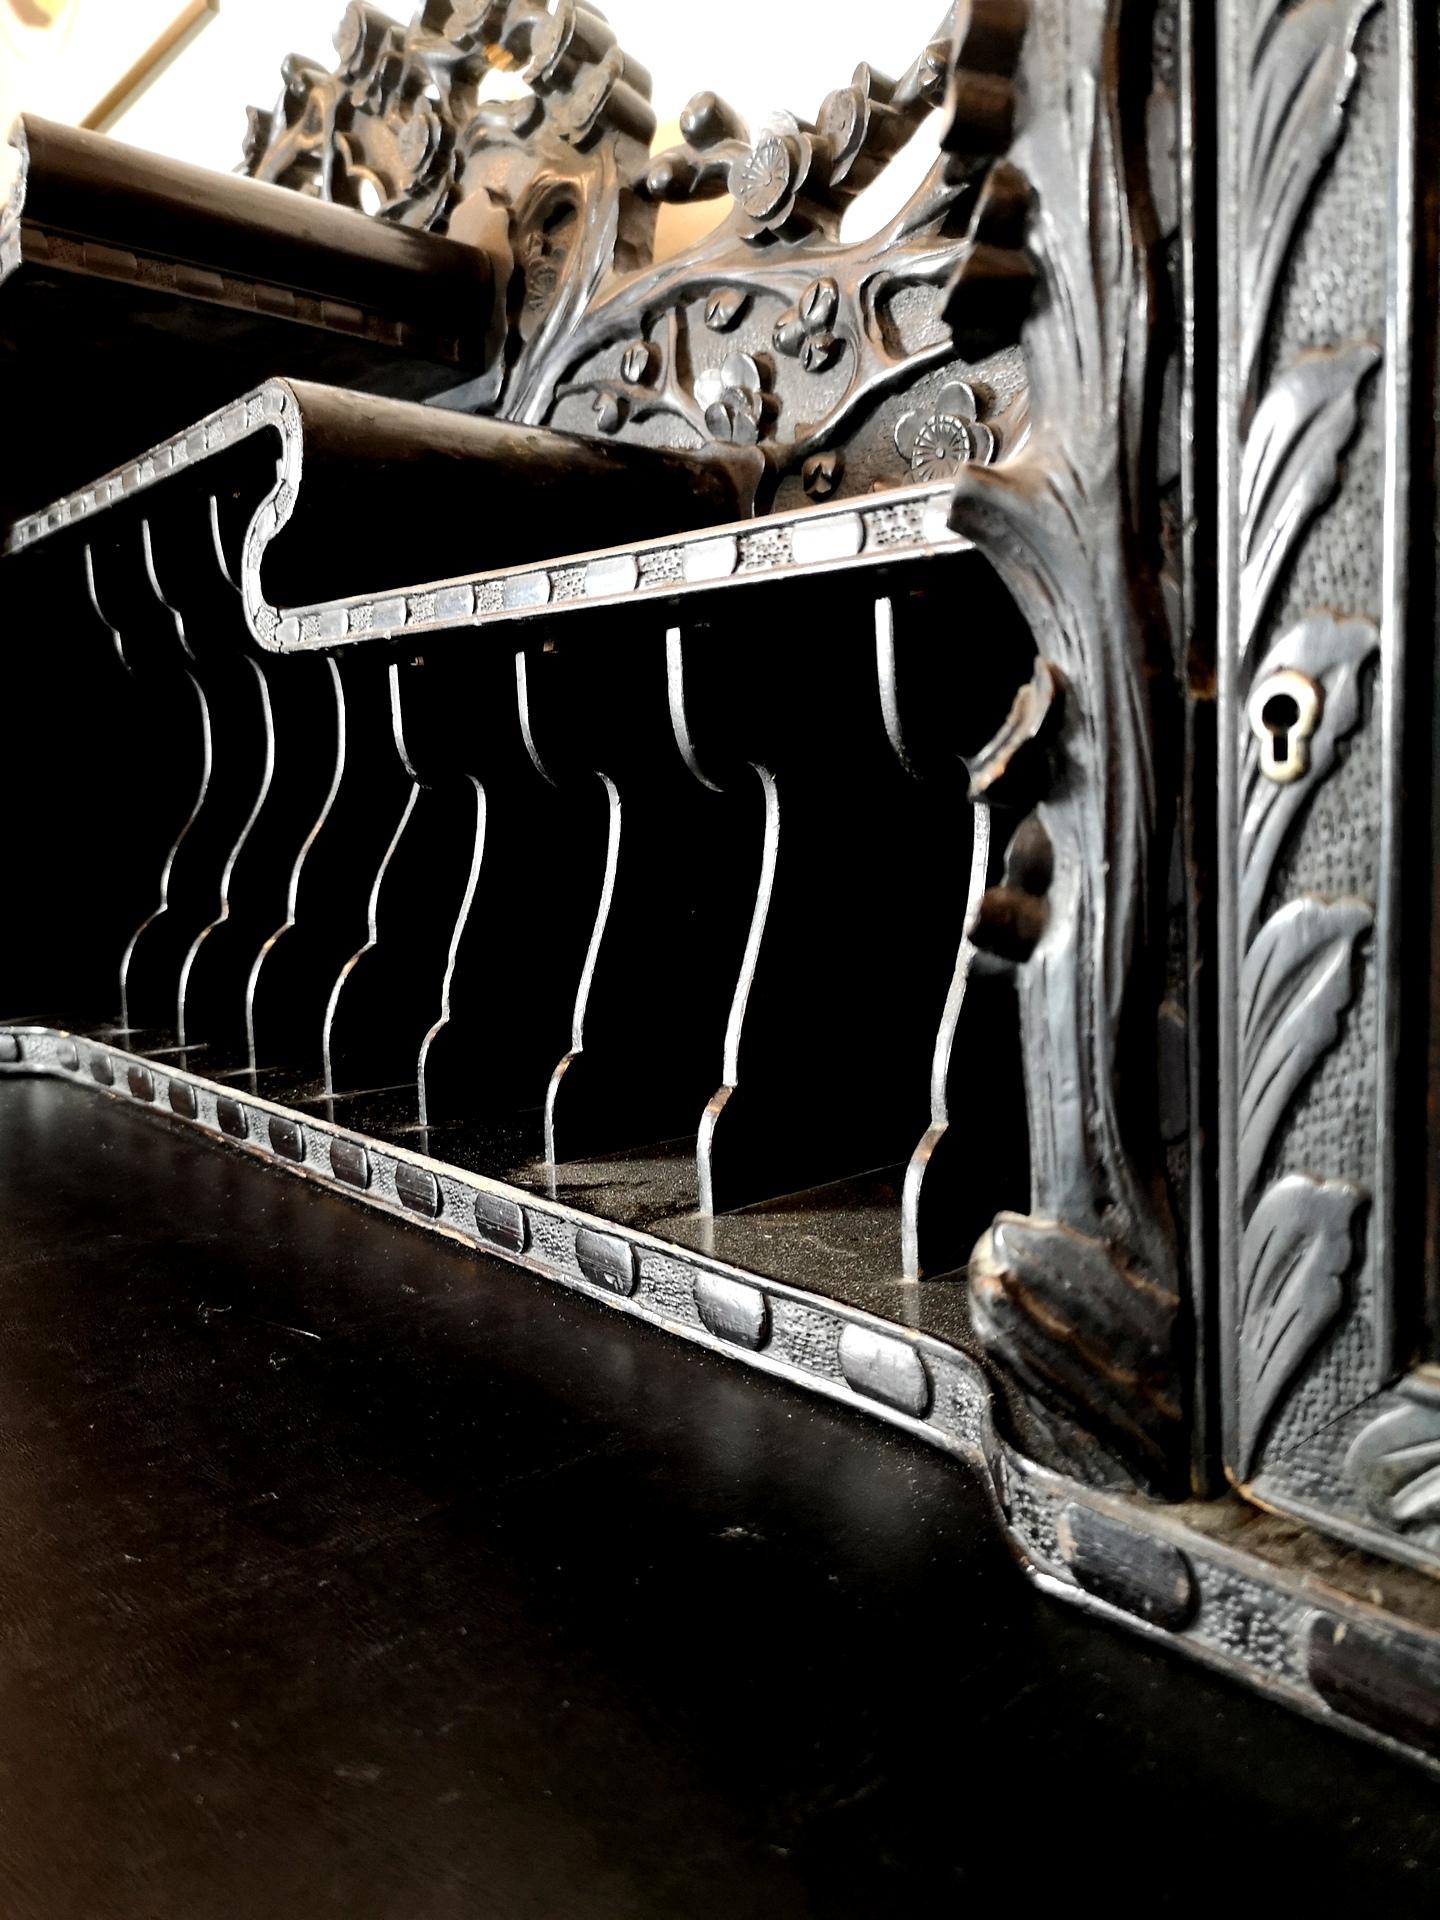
1295 688
1078 1299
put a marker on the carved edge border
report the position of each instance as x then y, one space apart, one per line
1378 1464
901 523
1344 1662
1399 398
25 243
1287 1238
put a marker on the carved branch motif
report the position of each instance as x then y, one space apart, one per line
1297 968
770 332
1079 1298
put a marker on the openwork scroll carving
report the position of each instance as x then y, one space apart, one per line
772 332
408 129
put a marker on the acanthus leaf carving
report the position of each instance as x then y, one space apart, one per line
1302 70
1296 980
1291 463
1077 1323
1294 1254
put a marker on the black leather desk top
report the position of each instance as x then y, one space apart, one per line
342 1573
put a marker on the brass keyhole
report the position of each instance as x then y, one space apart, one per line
1284 711
1280 714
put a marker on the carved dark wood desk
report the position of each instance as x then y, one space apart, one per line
866 800
345 1574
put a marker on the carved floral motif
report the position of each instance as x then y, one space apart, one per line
935 444
731 399
559 186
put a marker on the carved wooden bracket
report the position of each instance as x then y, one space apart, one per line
1078 1298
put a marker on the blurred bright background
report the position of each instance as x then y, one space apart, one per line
61 58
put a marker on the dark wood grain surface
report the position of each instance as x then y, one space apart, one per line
344 1573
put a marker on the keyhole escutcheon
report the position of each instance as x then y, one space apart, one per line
1284 711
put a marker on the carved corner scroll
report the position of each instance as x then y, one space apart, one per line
1078 1298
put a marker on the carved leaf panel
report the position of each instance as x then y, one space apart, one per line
1296 980
1302 70
1291 463
1090 1272
1292 69
1293 1258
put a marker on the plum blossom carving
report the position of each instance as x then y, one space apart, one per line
845 122
730 398
822 473
803 331
767 183
936 444
724 307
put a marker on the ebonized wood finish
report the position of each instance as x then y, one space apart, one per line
977 971
347 1573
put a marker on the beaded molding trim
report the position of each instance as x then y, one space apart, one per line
902 523
1342 1660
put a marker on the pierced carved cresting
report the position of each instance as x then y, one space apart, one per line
409 127
1301 693
774 332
